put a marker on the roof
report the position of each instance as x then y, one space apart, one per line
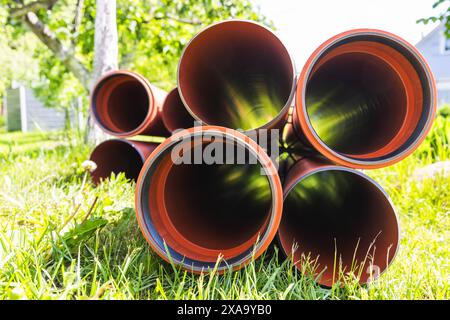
431 34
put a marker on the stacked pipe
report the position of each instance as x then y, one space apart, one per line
365 99
125 104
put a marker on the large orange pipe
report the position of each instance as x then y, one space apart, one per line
192 213
125 104
118 155
174 113
237 74
339 218
365 99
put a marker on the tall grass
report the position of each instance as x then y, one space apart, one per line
61 238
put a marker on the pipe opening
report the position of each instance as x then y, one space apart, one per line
226 209
116 156
121 103
339 216
367 98
356 103
196 211
236 74
217 207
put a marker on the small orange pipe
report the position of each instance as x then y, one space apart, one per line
169 212
125 104
174 113
400 103
118 155
339 217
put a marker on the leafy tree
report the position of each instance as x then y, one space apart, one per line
152 34
443 17
17 61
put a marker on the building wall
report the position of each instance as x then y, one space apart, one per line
40 117
12 110
443 87
432 49
25 112
443 97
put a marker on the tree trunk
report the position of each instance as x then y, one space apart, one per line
105 46
105 54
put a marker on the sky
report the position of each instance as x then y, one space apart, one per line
304 25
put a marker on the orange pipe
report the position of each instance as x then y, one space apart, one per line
191 214
342 219
174 113
118 155
237 74
365 99
125 104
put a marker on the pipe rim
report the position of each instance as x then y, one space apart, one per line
176 237
151 113
283 111
331 167
271 226
322 147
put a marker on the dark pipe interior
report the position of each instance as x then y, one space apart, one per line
116 156
217 206
124 103
336 208
236 74
175 115
356 103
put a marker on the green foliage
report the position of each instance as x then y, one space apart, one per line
437 144
152 35
82 232
443 17
17 60
444 111
62 238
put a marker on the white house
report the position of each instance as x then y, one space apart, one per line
436 49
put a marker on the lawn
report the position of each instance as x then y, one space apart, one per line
62 238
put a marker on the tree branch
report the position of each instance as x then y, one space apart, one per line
178 19
78 16
32 7
66 56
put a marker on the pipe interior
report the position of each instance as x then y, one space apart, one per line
218 206
236 74
174 113
122 103
334 209
360 105
116 156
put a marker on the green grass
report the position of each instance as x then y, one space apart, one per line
61 238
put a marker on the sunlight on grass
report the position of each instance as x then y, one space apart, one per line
61 238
